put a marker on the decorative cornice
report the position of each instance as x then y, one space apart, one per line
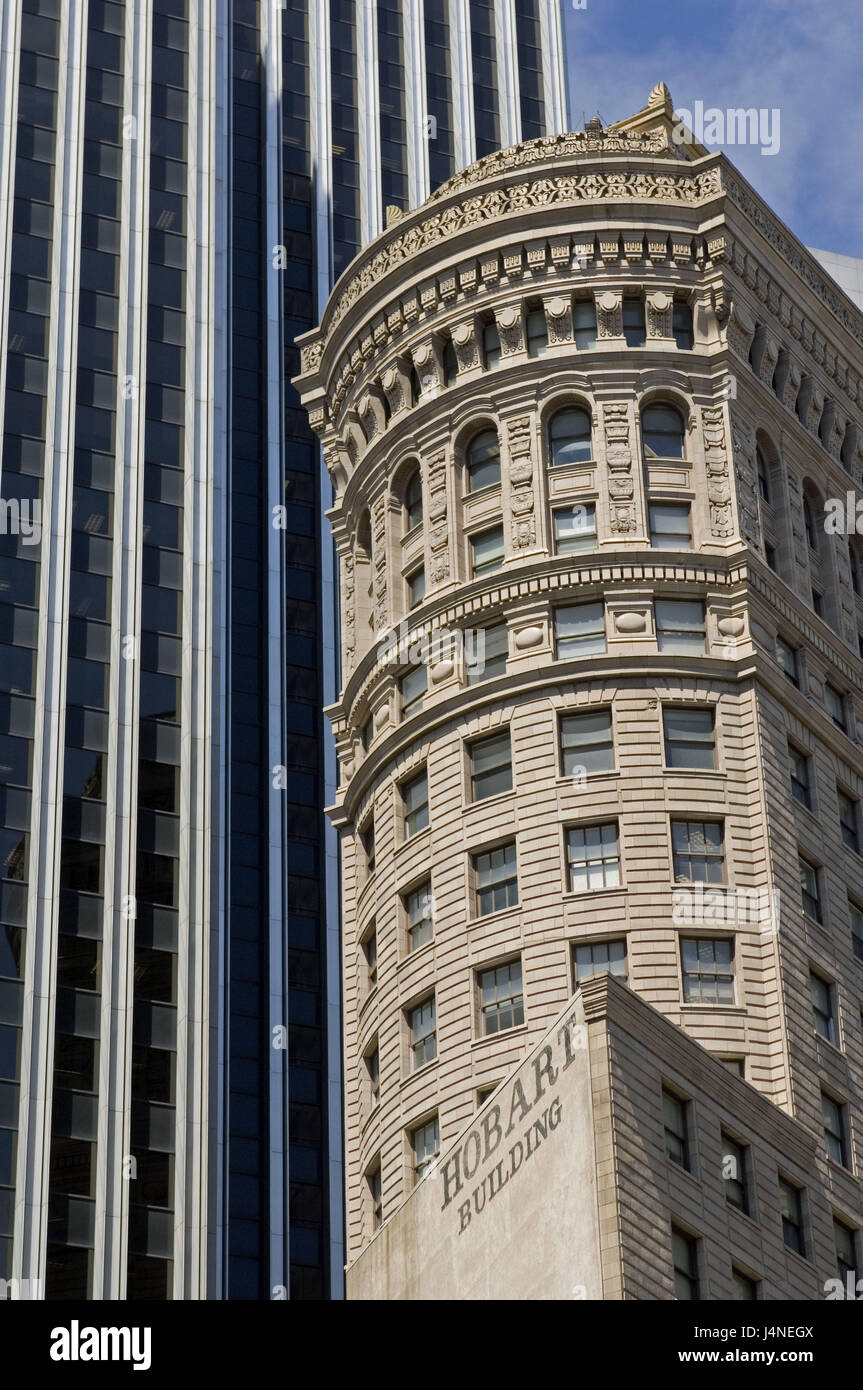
596 185
795 255
569 146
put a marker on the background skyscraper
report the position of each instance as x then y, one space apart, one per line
180 182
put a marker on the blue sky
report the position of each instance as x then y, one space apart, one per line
802 57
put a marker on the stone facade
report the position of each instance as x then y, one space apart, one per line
672 388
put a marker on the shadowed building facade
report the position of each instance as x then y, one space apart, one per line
180 183
598 733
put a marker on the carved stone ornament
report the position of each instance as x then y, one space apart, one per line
510 329
718 479
609 316
465 344
743 448
659 315
558 316
435 225
438 525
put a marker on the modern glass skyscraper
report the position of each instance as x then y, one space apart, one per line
180 182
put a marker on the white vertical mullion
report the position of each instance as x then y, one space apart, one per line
371 211
321 128
416 110
553 67
220 708
197 684
10 33
39 1007
115 1053
462 83
276 735
321 154
506 54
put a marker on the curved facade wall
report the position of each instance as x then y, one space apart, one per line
572 512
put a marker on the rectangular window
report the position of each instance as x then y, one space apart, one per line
536 331
501 998
669 526
416 587
800 781
586 743
633 321
734 1173
849 820
737 1065
412 688
675 1124
584 324
370 954
833 1115
708 970
856 913
487 552
490 767
786 655
373 1179
821 995
744 1289
685 1258
373 1072
580 630
835 703
422 1021
697 848
367 842
415 799
681 324
491 655
593 857
690 739
810 890
419 915
495 879
425 1142
845 1241
791 1207
575 528
679 625
599 958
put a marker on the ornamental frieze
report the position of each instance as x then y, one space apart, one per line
599 185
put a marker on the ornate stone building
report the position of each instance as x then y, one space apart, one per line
598 733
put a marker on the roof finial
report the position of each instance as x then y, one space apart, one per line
660 96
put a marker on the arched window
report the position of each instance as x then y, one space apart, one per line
490 345
569 439
849 446
413 500
450 363
856 562
483 461
662 432
536 333
809 524
763 471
